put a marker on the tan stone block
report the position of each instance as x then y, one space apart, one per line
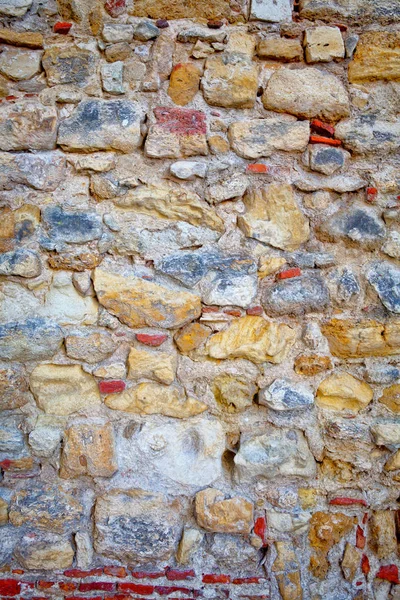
253 338
312 364
47 553
29 39
326 530
342 391
377 57
184 83
323 44
88 450
393 462
90 348
160 366
20 65
218 144
391 398
285 557
238 41
153 399
213 513
63 389
270 265
230 80
307 497
189 543
3 512
165 9
278 48
191 337
140 303
233 392
290 585
350 562
70 64
383 533
358 339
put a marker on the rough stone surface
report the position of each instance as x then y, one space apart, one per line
270 10
176 132
230 80
42 171
385 278
88 449
282 395
296 296
323 44
34 339
214 513
14 8
342 391
367 134
377 57
27 126
357 223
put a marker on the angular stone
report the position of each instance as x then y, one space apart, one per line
159 366
145 31
33 339
358 339
84 550
102 125
184 83
282 452
274 11
176 132
307 93
134 525
383 533
386 434
377 57
112 77
393 463
188 169
29 39
14 8
391 247
385 279
325 159
117 32
70 64
163 9
191 337
22 263
311 365
188 545
118 52
355 223
3 512
230 80
279 48
43 170
366 134
72 227
326 530
284 395
193 34
214 513
172 203
27 125
233 554
13 387
307 293
88 450
19 64
273 217
90 348
252 338
63 389
391 398
152 399
368 11
12 440
45 507
350 562
233 393
44 441
342 391
140 303
311 182
233 187
64 305
45 552
79 261
323 44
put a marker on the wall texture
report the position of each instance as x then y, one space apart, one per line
200 299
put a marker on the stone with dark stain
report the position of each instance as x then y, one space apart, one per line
34 339
21 262
71 227
72 65
385 279
296 296
356 223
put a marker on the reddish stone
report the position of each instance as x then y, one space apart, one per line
18 571
209 578
151 339
44 585
83 598
115 571
360 538
365 518
214 24
162 23
147 575
341 26
365 568
62 27
105 586
119 597
67 586
388 572
322 128
210 309
80 573
165 590
247 580
112 387
181 121
342 501
115 8
9 587
257 168
11 98
233 312
260 528
320 139
137 588
371 194
289 273
255 310
174 575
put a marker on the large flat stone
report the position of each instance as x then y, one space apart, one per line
42 171
356 223
273 11
359 339
368 11
21 262
230 80
88 450
176 132
44 552
342 391
34 339
27 125
368 134
164 9
14 8
296 296
20 65
217 514
71 227
70 64
377 57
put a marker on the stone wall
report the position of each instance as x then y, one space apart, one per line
200 299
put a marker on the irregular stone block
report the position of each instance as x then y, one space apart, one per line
134 525
391 396
65 305
323 44
34 339
227 190
367 11
114 33
72 227
188 169
189 543
326 530
184 83
284 395
30 39
230 80
163 9
252 338
310 182
385 279
383 533
22 263
233 393
356 223
279 48
63 389
14 8
274 11
367 134
102 125
13 387
296 296
160 366
145 31
45 552
311 365
12 440
325 159
44 441
112 77
19 64
90 348
70 64
233 554
191 337
43 170
214 513
342 391
176 132
358 339
27 126
201 33
307 93
88 449
377 57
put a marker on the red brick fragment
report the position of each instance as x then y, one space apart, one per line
360 538
260 528
181 121
322 128
147 574
90 586
247 580
343 501
45 585
9 587
320 139
115 571
388 572
67 586
174 575
289 273
210 578
137 588
365 568
255 310
62 27
80 573
365 518
119 597
214 24
151 339
18 571
210 309
341 26
11 98
84 598
257 168
371 194
233 312
166 590
112 387
115 8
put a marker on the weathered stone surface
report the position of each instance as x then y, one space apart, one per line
63 389
176 132
357 339
102 125
326 530
44 440
377 57
29 39
284 395
323 44
164 9
325 159
383 532
159 366
43 171
253 338
227 190
214 513
311 365
385 279
90 348
14 8
145 31
261 137
310 182
27 126
72 227
188 545
386 434
34 339
273 11
233 393
201 33
112 77
191 337
70 64
188 169
307 93
184 83
117 32
296 296
13 387
88 449
22 263
367 134
350 562
280 48
356 223
233 554
342 391
280 452
391 398
172 203
134 525
48 508
19 64
64 305
370 11
140 303
273 217
45 552
230 80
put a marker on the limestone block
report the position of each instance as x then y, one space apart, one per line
214 513
377 57
230 80
88 450
323 44
27 125
342 391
